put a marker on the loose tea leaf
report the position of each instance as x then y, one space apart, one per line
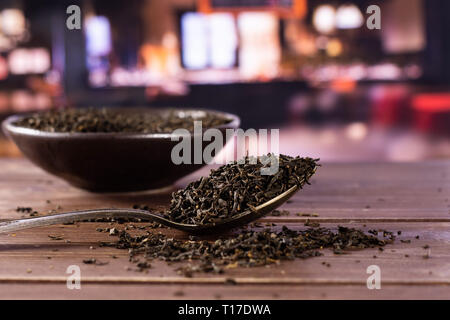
24 209
248 249
236 187
94 262
90 261
28 210
110 120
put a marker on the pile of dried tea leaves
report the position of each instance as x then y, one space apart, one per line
236 187
247 249
110 120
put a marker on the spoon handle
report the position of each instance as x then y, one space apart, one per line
74 216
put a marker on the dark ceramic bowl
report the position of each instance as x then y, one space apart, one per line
108 162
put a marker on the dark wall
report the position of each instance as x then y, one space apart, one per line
437 53
260 105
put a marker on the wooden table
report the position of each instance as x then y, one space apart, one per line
411 198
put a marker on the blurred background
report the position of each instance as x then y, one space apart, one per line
336 89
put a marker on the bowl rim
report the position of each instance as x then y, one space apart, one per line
9 127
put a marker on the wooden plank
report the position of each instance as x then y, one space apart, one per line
30 254
412 198
419 190
237 292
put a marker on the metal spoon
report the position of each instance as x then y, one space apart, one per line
70 217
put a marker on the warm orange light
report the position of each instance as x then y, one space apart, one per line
155 57
297 10
343 85
300 8
204 6
334 48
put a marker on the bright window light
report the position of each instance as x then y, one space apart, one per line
40 60
23 61
98 36
208 40
260 51
324 18
349 17
194 40
12 22
223 40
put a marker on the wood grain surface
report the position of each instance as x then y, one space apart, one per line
412 198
